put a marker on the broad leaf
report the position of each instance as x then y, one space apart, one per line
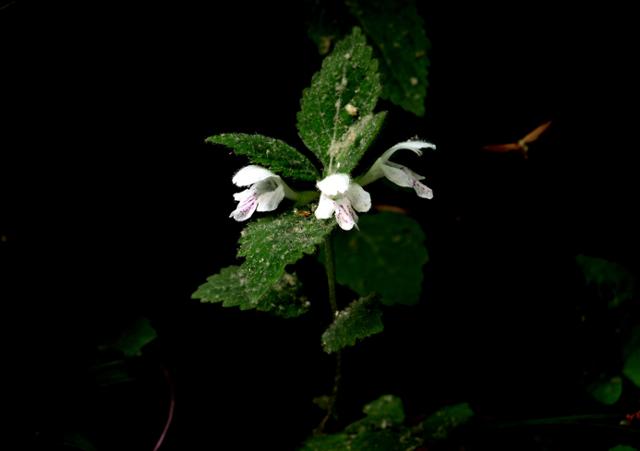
439 425
613 283
268 245
607 391
623 448
398 36
361 319
271 153
385 256
336 119
234 288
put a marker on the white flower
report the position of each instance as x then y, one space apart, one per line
266 190
398 174
342 198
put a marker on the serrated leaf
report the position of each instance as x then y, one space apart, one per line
336 119
399 39
607 391
361 319
385 256
135 337
613 283
268 245
271 153
439 425
234 288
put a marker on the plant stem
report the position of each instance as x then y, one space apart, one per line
333 303
330 267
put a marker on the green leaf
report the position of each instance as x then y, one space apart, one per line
234 288
379 430
397 33
383 440
285 298
382 413
361 319
388 408
268 245
386 257
623 448
77 441
631 367
607 391
271 153
135 337
614 283
330 442
439 425
336 119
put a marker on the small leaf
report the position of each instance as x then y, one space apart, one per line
439 425
268 245
386 257
330 442
614 283
271 153
135 337
607 391
336 119
387 407
401 45
361 319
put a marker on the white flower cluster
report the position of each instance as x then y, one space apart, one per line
340 196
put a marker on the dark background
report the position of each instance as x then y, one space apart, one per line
113 207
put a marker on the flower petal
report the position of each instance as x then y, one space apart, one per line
359 198
345 216
269 200
414 146
251 174
326 207
334 184
245 208
243 194
399 175
423 190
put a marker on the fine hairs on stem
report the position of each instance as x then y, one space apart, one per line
333 303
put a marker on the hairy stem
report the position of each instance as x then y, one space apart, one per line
333 303
330 267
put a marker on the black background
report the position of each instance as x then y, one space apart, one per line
113 207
